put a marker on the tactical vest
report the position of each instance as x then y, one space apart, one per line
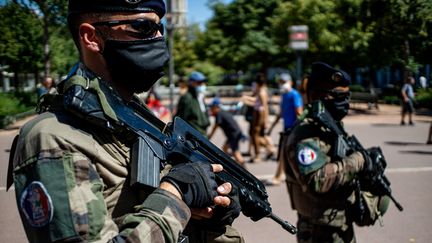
329 208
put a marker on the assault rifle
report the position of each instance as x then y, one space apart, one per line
376 182
157 144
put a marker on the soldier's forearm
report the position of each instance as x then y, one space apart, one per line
338 173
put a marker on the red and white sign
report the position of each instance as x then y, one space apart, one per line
299 37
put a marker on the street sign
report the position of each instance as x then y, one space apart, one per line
299 37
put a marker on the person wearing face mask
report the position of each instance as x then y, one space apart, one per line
191 106
291 107
322 184
71 165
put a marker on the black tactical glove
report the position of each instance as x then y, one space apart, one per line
226 215
195 181
253 208
374 162
223 215
371 178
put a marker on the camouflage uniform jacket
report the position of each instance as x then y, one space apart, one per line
72 184
321 186
188 109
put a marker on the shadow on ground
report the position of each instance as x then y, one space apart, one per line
386 125
420 152
398 124
359 111
423 112
399 143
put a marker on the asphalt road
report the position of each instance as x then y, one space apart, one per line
409 170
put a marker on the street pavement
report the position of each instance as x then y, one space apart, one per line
409 169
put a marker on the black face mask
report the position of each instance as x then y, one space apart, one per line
137 64
338 107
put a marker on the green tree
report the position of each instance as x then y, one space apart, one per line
347 33
238 36
335 32
20 41
63 52
52 13
183 53
186 59
402 31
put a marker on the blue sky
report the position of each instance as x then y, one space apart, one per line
198 12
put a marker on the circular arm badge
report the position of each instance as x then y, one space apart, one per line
309 157
36 204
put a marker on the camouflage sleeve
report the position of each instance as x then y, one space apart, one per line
319 171
337 173
161 218
60 197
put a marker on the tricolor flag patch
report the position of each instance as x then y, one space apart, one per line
307 156
36 204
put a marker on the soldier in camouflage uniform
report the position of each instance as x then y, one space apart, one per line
321 186
72 176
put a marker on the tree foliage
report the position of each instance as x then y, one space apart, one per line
52 13
243 35
238 36
35 38
252 34
21 39
63 51
183 53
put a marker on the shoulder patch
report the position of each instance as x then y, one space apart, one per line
307 156
36 204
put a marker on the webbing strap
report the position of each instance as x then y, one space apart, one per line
94 86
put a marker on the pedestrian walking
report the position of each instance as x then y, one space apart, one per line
260 120
291 107
46 87
407 101
231 129
191 106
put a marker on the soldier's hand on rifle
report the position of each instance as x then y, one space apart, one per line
372 175
224 212
374 162
196 182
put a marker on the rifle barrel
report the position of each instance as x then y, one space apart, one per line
285 224
397 204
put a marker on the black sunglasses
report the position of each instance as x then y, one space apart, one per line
338 94
145 28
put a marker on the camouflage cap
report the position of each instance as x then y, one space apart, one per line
100 6
324 76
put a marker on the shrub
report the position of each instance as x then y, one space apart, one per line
424 98
12 104
357 88
391 99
